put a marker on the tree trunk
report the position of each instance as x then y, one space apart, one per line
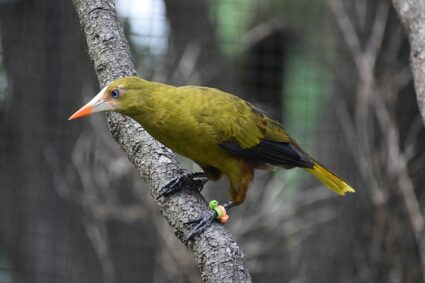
412 15
217 255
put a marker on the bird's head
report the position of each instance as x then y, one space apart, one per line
121 95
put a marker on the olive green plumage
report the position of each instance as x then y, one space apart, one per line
217 130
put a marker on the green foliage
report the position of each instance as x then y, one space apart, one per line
308 85
7 271
3 82
232 19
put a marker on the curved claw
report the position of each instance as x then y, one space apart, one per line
201 223
193 180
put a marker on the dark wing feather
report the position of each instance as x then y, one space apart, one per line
275 153
248 132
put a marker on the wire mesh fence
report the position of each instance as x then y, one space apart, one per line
335 72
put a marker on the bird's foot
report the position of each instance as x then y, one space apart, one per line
194 180
216 212
201 223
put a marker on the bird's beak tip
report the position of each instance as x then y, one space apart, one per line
72 117
84 111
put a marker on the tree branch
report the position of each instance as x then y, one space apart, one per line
217 254
412 15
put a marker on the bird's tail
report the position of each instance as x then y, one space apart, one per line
329 179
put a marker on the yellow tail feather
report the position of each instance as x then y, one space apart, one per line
330 180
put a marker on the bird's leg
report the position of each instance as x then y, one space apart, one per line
193 180
215 212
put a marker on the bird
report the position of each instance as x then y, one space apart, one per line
222 133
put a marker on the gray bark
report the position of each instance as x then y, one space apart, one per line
412 15
217 254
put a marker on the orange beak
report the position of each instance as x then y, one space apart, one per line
97 104
83 111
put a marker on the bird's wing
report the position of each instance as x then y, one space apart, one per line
248 132
270 152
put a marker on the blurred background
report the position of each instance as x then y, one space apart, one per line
336 72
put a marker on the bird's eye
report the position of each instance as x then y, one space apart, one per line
115 93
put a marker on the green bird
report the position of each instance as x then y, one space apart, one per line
222 133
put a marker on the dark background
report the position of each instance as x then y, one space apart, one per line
334 71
